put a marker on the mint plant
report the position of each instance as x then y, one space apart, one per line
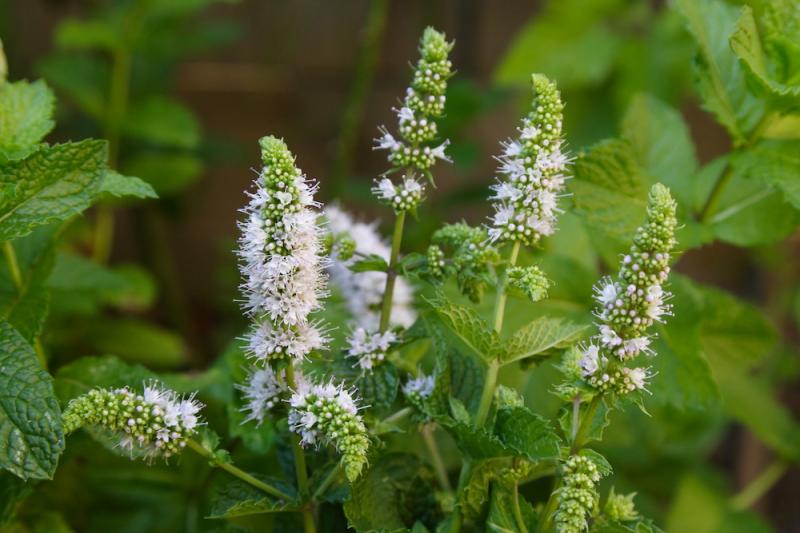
510 376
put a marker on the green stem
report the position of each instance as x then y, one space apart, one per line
356 99
241 474
502 295
391 274
381 427
586 424
550 508
16 276
300 468
758 487
518 511
330 478
436 457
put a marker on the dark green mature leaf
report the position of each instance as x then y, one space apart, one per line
746 43
51 185
501 517
161 121
609 192
773 163
539 337
167 173
663 146
466 328
12 491
527 433
119 186
720 77
378 388
374 505
26 116
31 437
240 499
475 443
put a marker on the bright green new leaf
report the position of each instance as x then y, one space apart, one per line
90 34
527 433
119 186
774 163
31 438
540 337
26 116
51 185
466 328
720 77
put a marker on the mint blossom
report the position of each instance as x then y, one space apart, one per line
328 414
280 259
363 291
578 495
155 423
628 305
262 392
369 349
533 170
420 387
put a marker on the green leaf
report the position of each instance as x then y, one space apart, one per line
475 442
527 433
166 173
372 263
745 42
501 517
378 388
540 336
240 499
476 490
720 78
86 373
89 34
466 328
609 192
773 163
164 122
662 145
83 78
51 185
119 186
138 341
26 116
31 438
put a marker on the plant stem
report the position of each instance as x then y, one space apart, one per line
391 419
586 424
436 458
521 527
391 274
16 276
356 99
502 296
550 508
300 463
759 486
330 478
241 474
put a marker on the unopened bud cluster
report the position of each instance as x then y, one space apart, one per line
471 257
620 507
530 280
578 495
328 414
629 304
369 349
532 170
156 423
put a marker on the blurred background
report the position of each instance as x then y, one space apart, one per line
199 81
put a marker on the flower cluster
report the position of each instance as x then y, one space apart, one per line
156 423
530 280
471 259
628 305
578 496
369 349
620 507
533 172
405 196
419 388
280 253
328 414
262 392
363 291
424 103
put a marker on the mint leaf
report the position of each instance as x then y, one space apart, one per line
476 491
51 185
84 79
774 163
372 263
26 116
540 336
527 433
240 499
378 388
166 173
138 341
161 121
720 77
119 186
86 373
31 438
466 328
501 517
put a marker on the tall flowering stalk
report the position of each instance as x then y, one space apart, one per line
417 149
629 304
